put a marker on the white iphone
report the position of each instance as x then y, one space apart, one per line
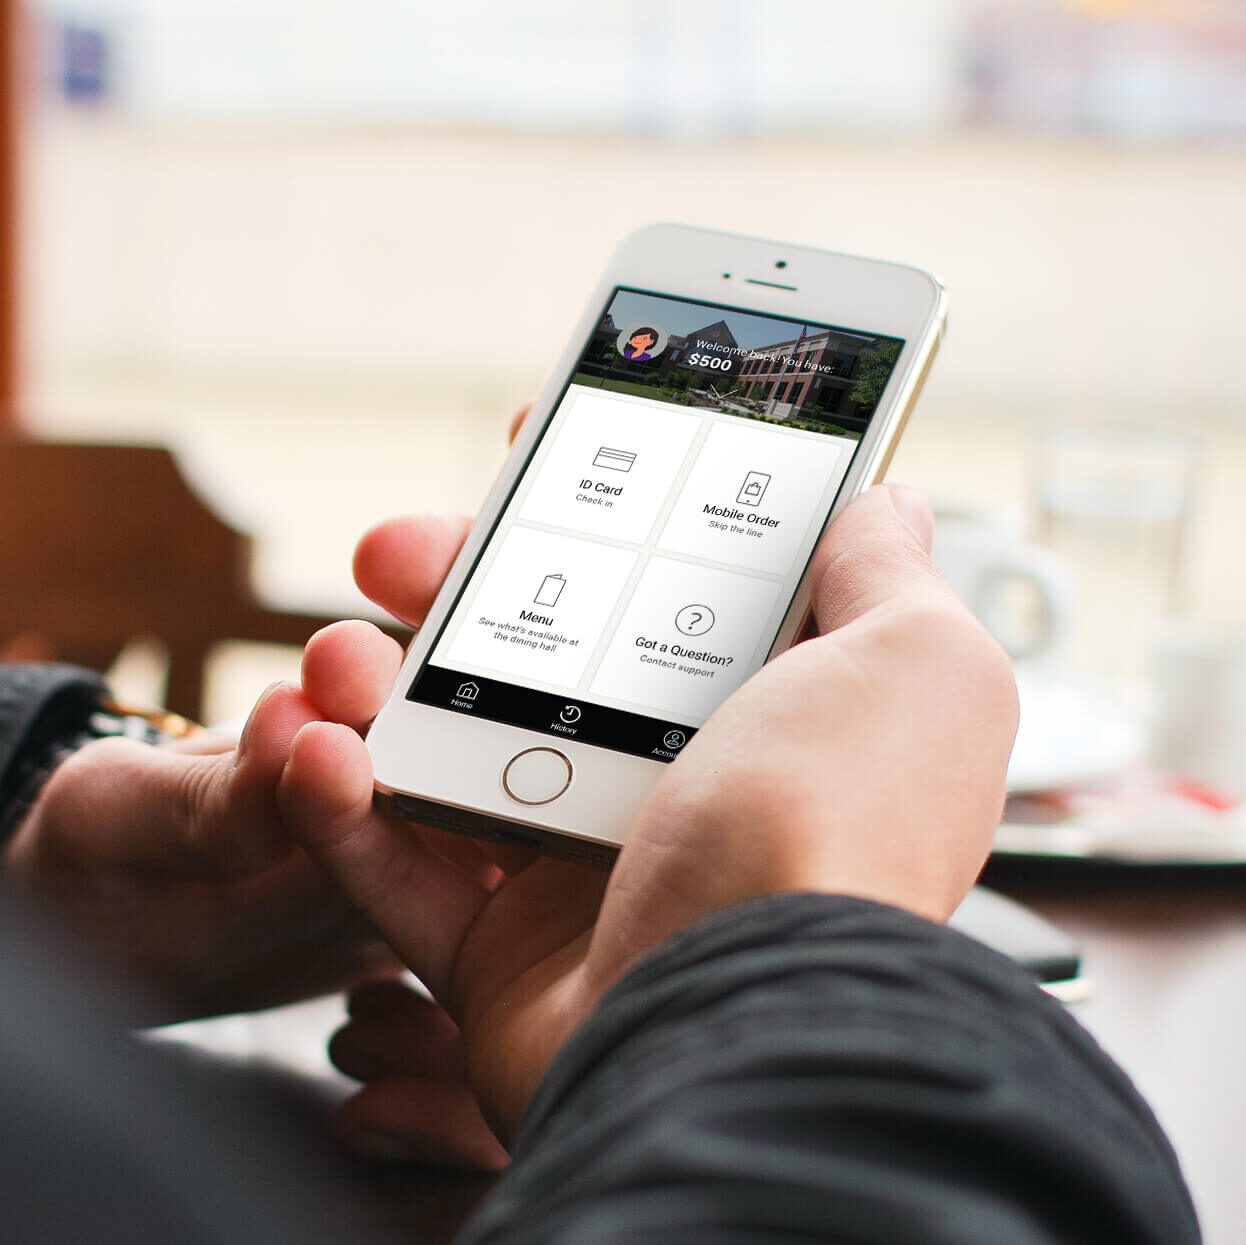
646 547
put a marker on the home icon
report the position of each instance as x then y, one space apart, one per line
467 691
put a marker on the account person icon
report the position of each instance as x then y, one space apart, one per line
641 342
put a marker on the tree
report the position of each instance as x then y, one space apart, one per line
875 370
609 356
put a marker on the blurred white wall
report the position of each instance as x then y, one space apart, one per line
326 246
1080 274
678 66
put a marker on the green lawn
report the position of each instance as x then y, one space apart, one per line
619 386
651 391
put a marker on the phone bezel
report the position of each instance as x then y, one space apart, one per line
455 760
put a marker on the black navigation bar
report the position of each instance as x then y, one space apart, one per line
557 716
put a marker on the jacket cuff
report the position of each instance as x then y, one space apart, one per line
43 709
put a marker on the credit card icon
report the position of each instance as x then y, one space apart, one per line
614 460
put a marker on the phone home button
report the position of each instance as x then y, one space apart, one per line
536 776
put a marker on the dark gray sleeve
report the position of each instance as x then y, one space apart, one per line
811 1068
43 709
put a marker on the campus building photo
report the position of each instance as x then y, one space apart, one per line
821 379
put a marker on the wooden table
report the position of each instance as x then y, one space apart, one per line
1166 952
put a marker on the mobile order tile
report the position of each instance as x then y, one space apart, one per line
610 467
753 493
541 607
687 639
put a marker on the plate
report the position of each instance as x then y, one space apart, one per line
1142 817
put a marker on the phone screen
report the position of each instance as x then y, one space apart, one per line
642 566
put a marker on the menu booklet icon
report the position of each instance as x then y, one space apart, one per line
614 460
550 590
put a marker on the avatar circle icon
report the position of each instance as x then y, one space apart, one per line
674 740
639 343
695 619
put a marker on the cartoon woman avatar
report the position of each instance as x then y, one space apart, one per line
641 342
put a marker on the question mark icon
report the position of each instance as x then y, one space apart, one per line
695 619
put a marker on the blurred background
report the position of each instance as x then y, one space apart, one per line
325 248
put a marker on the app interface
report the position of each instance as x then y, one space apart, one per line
643 564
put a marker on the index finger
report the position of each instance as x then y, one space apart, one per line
401 564
517 422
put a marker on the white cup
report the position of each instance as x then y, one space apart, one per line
1019 591
1116 506
1198 726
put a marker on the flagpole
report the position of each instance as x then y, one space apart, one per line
770 402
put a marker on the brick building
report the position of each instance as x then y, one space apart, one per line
809 377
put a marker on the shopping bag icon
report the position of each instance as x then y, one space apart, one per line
550 590
753 489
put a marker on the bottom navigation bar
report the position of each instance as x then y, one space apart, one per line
587 723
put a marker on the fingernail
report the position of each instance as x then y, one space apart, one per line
244 740
914 512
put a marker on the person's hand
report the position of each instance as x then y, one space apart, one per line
416 1104
869 761
170 866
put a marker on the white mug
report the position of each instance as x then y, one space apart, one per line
1020 592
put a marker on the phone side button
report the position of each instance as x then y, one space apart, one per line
537 776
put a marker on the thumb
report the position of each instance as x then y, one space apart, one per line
421 903
876 552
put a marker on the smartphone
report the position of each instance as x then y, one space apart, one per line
646 547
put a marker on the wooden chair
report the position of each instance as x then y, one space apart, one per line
102 543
